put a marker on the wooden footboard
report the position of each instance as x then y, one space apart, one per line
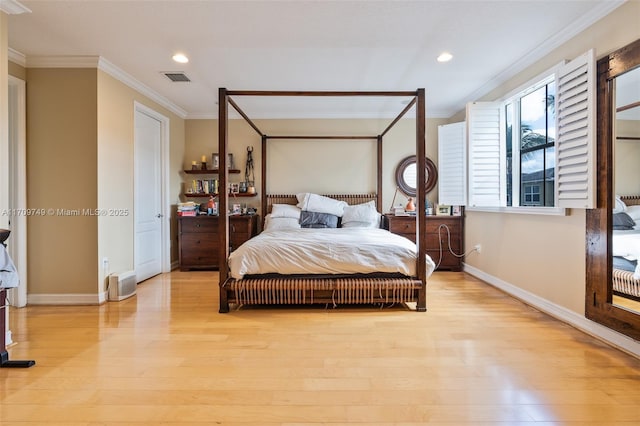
625 285
325 290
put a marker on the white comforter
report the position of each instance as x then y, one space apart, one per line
627 244
326 251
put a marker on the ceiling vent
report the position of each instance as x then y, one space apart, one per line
177 77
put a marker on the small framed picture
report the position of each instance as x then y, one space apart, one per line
234 188
443 210
215 161
236 208
456 210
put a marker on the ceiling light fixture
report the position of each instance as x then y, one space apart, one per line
180 58
445 57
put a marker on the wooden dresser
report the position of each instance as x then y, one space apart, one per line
199 242
406 226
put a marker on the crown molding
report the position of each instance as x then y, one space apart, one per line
109 68
130 81
579 25
62 61
13 7
17 57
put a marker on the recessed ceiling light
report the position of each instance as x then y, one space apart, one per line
181 58
445 57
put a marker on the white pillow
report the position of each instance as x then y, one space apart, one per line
279 223
355 224
285 210
320 204
634 212
361 216
620 206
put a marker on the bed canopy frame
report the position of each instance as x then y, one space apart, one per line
225 99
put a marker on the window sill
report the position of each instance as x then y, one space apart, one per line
547 211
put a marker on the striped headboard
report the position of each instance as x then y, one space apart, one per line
631 200
350 199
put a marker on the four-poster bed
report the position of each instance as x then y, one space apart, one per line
333 288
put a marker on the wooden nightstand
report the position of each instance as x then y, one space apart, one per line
406 226
199 241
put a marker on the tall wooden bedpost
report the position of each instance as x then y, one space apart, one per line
421 237
223 194
263 182
379 178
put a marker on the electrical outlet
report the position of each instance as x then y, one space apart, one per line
478 248
105 262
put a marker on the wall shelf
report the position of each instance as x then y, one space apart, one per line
209 171
202 194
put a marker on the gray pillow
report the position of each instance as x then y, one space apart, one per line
318 220
622 221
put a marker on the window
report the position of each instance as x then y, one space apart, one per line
530 144
533 151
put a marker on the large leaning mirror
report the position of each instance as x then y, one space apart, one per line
407 172
612 292
625 241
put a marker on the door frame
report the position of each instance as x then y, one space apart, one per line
17 246
165 228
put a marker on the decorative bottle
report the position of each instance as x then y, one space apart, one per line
410 207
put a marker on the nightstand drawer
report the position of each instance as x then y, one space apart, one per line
403 226
434 224
200 240
199 258
197 224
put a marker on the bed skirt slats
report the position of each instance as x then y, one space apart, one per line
282 291
387 290
623 282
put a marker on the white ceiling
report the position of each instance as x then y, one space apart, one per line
305 45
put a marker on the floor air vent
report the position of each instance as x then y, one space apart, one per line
177 77
122 285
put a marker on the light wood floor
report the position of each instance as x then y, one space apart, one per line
166 357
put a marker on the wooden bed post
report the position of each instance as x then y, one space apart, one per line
223 195
421 237
263 173
379 177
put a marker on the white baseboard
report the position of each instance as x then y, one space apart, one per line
580 322
66 299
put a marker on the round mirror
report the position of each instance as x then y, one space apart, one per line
407 173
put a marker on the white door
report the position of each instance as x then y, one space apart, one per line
148 212
17 244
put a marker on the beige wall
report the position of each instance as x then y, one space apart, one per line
80 156
318 166
545 255
627 155
62 175
4 120
116 173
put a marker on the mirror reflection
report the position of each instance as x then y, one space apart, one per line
626 181
410 175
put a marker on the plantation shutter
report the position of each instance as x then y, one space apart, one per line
452 164
487 154
576 127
